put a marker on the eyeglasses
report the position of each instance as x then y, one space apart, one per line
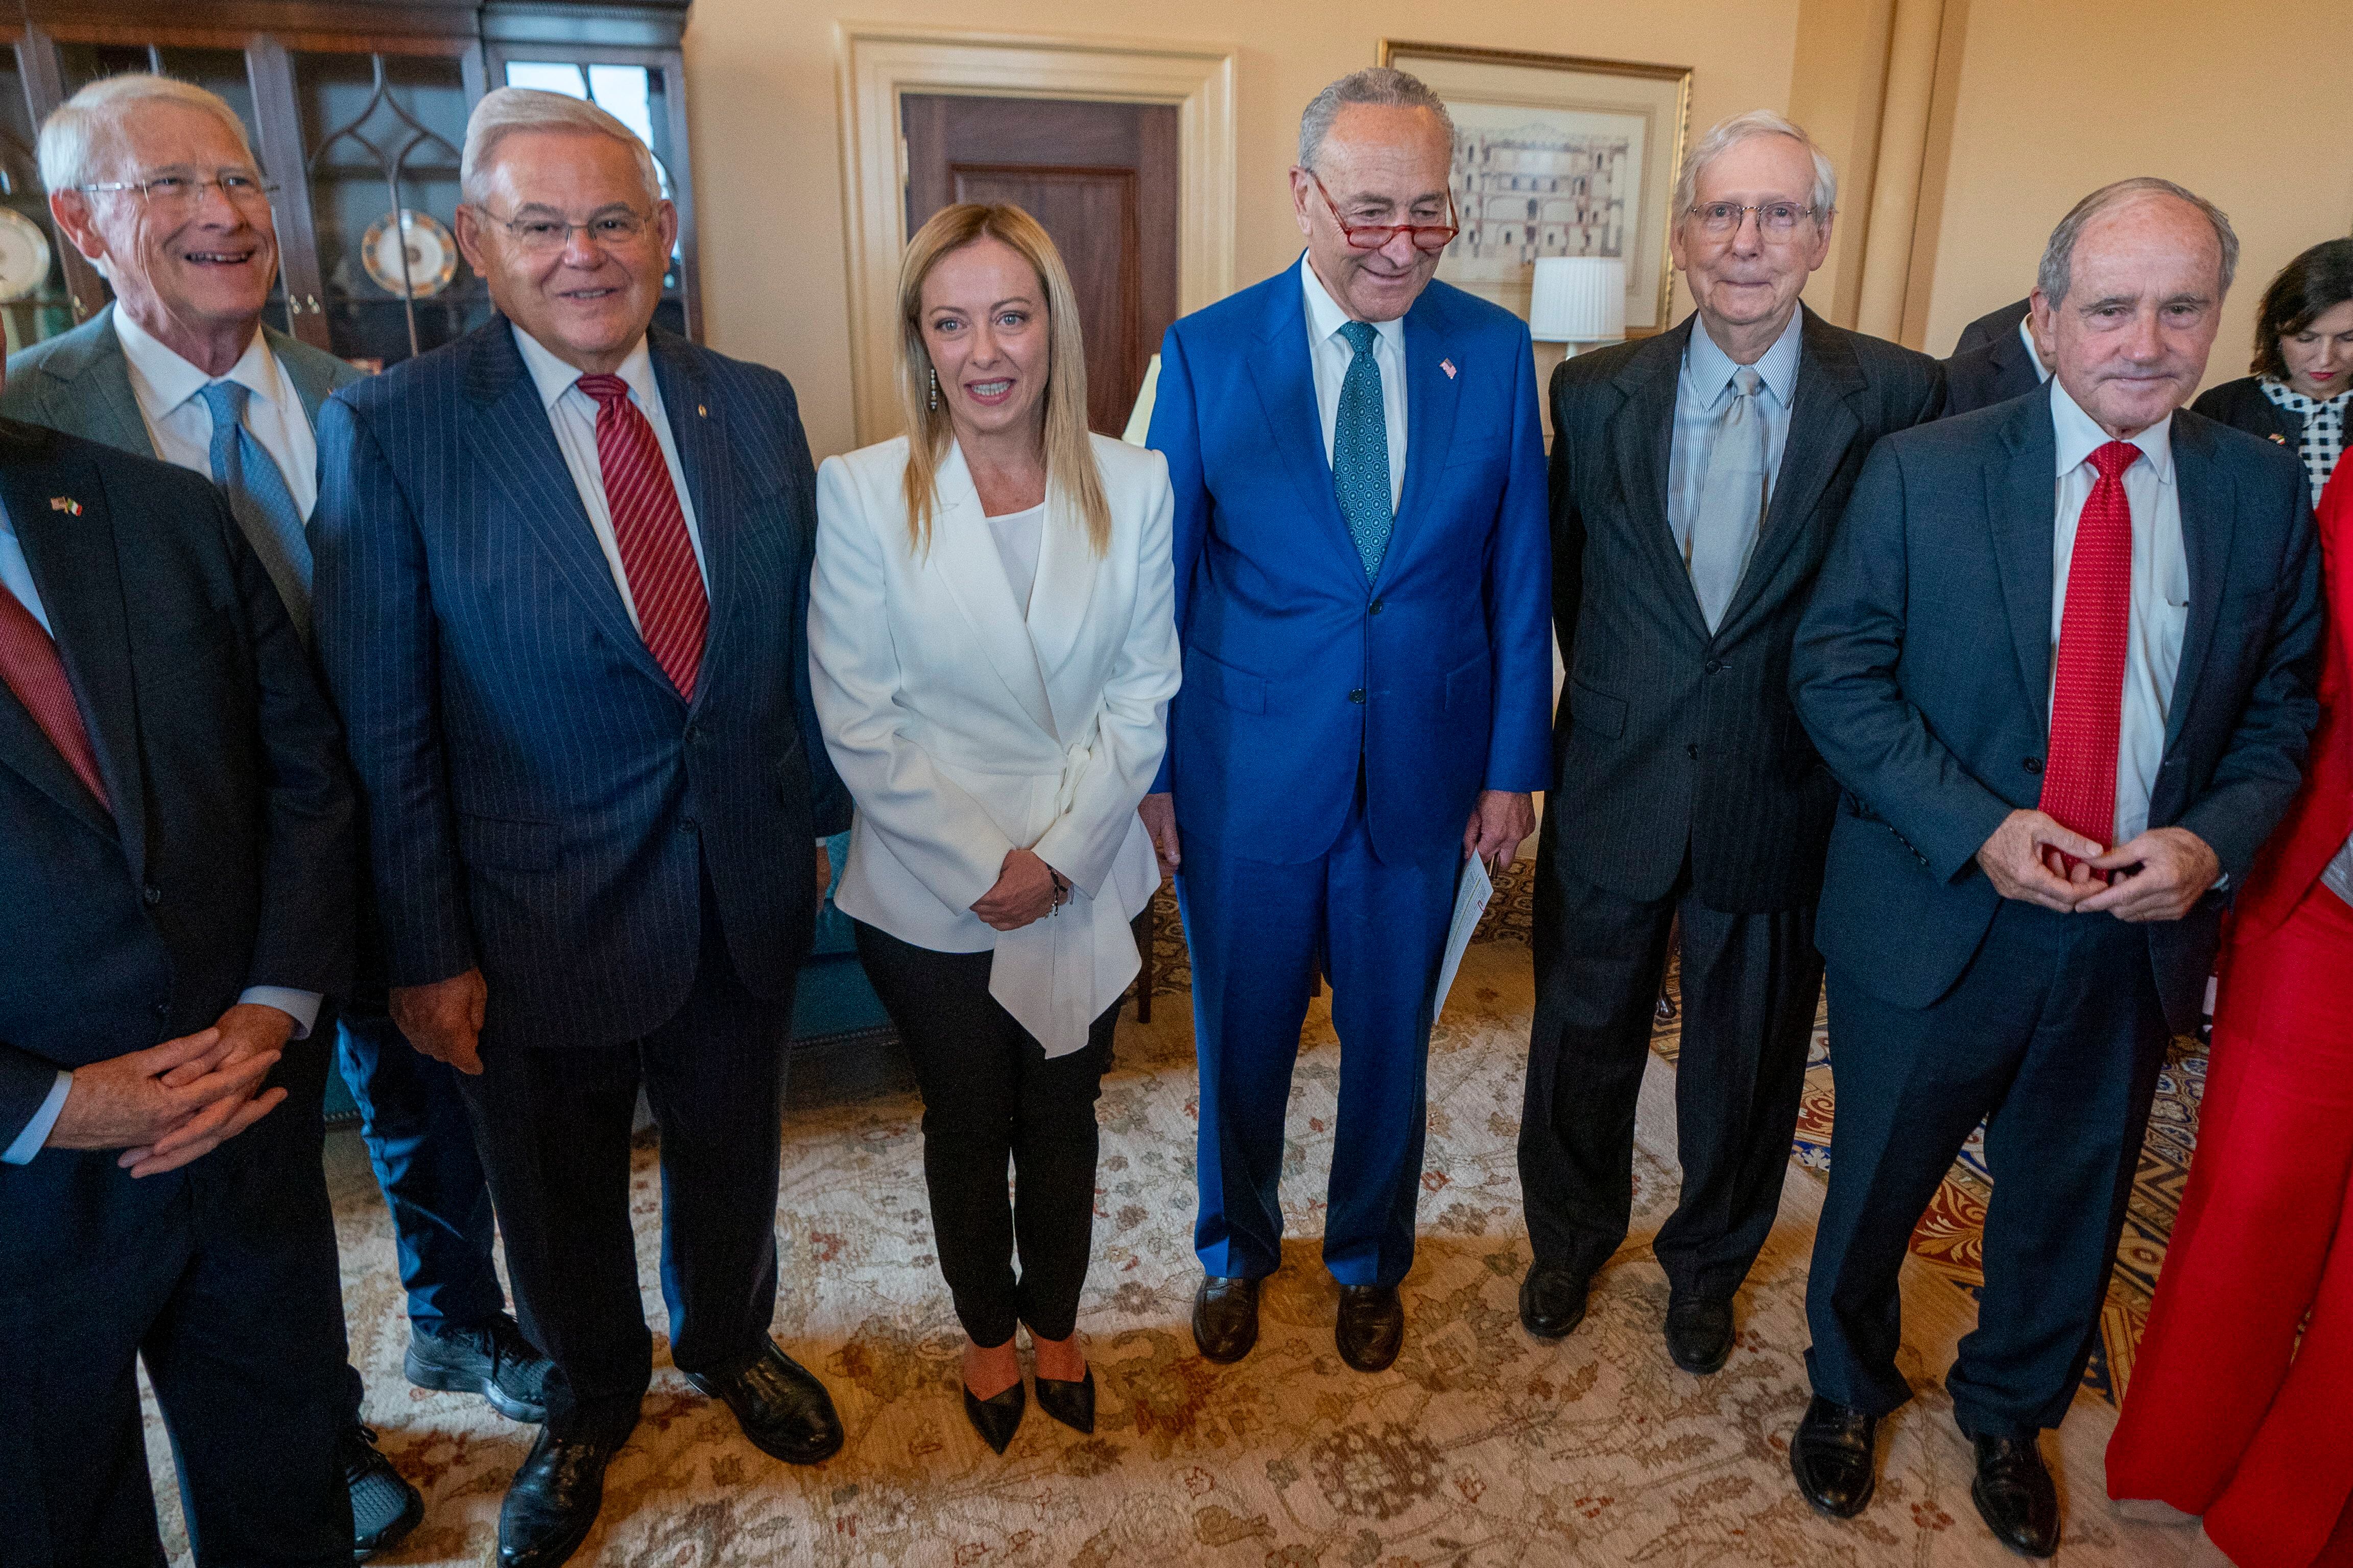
1774 220
176 192
1374 236
540 236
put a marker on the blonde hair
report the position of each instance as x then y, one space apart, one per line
1071 477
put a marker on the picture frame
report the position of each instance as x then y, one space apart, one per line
1557 155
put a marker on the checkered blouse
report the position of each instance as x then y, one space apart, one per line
2323 429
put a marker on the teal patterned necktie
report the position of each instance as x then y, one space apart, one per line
1360 451
258 495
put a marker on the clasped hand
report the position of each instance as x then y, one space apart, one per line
173 1103
1027 889
2159 876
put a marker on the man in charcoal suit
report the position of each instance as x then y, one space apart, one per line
1995 361
562 573
2061 662
1697 479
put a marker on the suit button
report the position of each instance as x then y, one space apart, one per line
1373 608
693 734
152 894
1713 666
1357 695
2031 765
1691 749
688 824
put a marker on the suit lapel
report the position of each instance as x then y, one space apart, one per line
1821 428
698 426
76 573
1285 382
313 381
90 359
1068 570
1431 401
2019 485
1640 433
964 554
515 445
2207 508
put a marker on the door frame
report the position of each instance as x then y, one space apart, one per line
875 62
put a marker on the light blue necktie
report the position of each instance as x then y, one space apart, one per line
265 508
1731 501
1360 451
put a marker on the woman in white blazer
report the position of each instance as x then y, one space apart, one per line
992 643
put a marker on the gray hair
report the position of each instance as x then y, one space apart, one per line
2055 274
1726 134
510 109
82 137
1377 85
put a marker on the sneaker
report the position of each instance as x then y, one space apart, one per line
494 1361
384 1507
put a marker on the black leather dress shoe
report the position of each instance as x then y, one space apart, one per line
384 1507
785 1410
1834 1454
494 1361
1225 1317
1552 1300
1371 1326
1699 1333
1071 1403
552 1503
996 1417
2015 1496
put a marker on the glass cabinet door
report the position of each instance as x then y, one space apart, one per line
36 302
380 135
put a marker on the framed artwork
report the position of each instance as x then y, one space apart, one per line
1556 155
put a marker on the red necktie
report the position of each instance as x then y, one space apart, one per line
30 664
2087 702
673 611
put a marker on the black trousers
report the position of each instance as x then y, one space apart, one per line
221 1276
2055 1033
991 1096
1750 987
553 1127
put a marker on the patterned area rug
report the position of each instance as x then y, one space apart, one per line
1480 1446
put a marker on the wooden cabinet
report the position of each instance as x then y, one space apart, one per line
358 110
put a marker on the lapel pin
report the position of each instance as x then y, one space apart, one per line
1447 366
2278 438
65 504
701 412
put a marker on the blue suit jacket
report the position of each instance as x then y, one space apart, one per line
1436 678
1923 672
540 799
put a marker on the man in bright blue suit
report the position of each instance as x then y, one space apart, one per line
1361 562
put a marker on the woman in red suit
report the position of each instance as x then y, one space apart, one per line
2227 1415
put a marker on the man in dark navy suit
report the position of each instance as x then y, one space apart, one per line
1996 359
563 566
179 851
2062 661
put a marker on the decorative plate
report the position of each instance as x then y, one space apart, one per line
432 254
24 255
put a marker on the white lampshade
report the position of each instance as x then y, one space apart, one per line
1579 300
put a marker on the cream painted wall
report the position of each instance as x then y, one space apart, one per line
768 168
2054 100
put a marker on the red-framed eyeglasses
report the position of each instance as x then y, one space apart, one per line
1374 236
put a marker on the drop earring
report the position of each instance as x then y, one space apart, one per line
935 389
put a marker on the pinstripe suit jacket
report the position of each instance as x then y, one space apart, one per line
541 802
1670 741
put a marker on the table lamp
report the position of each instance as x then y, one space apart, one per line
1579 300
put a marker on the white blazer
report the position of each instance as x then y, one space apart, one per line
965 732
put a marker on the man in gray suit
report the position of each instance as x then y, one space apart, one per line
1697 478
153 180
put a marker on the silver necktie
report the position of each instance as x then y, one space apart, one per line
1731 501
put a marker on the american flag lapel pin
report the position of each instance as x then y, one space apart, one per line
2278 438
1447 366
65 504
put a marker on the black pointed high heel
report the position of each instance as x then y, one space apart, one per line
1071 1403
998 1417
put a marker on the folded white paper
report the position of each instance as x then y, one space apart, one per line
1471 891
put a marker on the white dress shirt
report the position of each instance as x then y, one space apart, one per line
2160 591
302 1006
1700 393
1018 535
573 413
2033 354
170 392
1329 355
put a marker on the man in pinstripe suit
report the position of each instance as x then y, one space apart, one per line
563 566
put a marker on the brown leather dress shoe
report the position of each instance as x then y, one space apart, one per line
1225 1317
1371 1326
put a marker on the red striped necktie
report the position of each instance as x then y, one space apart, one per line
2087 700
30 666
665 583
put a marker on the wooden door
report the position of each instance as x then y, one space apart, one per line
1103 180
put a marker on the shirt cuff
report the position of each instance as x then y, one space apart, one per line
302 1006
37 1131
